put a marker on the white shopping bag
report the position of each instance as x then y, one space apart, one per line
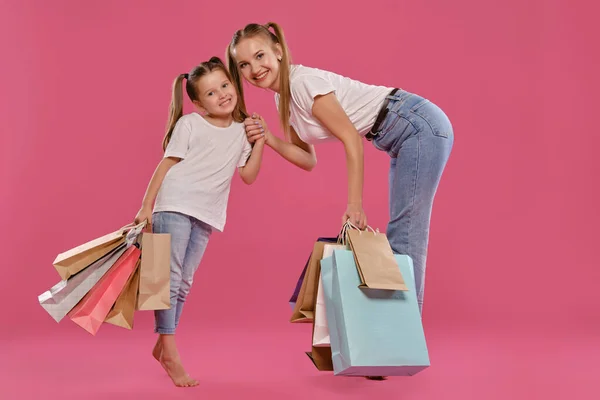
321 332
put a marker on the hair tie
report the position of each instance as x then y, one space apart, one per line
186 76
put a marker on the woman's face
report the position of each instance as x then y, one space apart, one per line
258 61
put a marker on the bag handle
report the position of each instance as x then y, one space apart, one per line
132 225
132 231
342 237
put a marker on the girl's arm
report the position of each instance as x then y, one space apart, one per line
297 152
163 167
249 172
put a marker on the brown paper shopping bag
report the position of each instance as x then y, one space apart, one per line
155 272
321 358
122 311
73 261
304 310
375 260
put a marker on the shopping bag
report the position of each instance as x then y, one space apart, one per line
321 355
155 272
300 285
72 261
123 310
373 332
63 296
305 305
321 358
294 298
375 260
321 331
92 310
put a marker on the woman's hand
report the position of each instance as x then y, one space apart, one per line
256 129
356 215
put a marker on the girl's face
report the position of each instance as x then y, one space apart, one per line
216 95
258 61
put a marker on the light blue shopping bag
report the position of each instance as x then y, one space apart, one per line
373 332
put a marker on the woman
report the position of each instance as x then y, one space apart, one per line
316 105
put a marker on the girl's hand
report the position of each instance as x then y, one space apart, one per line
260 141
145 214
256 128
356 215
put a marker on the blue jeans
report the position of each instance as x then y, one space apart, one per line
418 137
189 238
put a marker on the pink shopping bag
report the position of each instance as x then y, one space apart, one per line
92 310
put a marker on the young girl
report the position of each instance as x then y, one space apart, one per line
316 106
190 187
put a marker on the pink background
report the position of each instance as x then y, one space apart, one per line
85 92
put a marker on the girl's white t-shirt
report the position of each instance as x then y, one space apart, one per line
360 101
199 184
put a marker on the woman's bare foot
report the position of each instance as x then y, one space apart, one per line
176 372
157 351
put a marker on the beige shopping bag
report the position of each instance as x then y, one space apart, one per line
155 272
375 260
321 358
304 310
73 261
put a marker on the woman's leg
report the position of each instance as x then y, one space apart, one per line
415 174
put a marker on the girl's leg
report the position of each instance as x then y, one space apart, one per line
198 241
180 228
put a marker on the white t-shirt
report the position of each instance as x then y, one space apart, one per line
362 102
199 184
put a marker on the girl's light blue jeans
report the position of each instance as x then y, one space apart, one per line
189 238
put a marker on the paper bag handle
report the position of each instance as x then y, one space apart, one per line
131 226
349 225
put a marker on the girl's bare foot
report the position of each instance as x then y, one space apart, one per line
176 372
157 351
171 362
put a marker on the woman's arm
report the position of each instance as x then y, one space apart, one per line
297 152
332 116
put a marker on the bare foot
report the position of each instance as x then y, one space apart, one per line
157 351
176 372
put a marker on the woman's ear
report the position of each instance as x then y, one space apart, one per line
278 51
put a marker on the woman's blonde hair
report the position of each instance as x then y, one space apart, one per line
276 37
176 106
